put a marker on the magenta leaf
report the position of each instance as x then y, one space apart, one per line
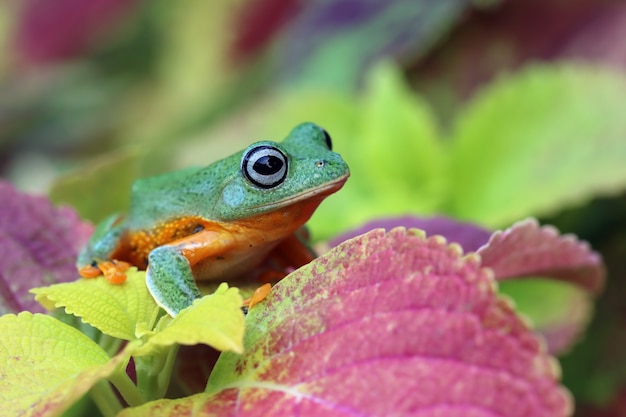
527 249
385 324
578 30
38 246
40 36
469 235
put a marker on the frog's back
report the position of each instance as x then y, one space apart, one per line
174 195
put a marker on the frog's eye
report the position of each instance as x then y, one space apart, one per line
264 166
329 143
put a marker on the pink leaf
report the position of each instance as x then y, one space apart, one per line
469 235
52 31
38 246
526 249
385 324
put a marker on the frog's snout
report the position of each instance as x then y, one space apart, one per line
333 166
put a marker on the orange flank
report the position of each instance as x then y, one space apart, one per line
142 242
217 250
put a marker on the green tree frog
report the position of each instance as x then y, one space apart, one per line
221 221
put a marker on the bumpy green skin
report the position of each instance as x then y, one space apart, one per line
217 192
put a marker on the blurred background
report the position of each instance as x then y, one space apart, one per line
487 111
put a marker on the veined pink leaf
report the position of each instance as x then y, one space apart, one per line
527 249
384 324
38 246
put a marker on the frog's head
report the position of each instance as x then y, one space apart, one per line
275 175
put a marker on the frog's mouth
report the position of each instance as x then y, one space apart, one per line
320 193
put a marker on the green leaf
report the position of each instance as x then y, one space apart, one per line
101 188
116 310
399 133
538 140
326 46
399 158
215 320
559 311
46 365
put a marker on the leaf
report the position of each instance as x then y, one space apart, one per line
38 245
215 320
499 39
468 235
38 39
560 312
399 132
592 41
386 323
526 249
390 126
117 310
106 183
46 365
333 43
536 141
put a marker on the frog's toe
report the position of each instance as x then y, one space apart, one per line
89 271
113 271
259 295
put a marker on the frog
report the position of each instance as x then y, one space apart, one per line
221 221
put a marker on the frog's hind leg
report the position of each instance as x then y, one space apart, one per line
288 255
169 276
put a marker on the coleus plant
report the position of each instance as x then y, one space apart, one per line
387 322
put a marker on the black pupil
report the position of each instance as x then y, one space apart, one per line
267 165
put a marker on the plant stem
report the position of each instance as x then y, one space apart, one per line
165 376
106 400
154 372
127 388
147 368
110 344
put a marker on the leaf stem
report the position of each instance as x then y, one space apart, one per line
105 399
127 388
164 377
154 372
110 344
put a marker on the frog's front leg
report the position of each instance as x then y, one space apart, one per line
96 257
169 276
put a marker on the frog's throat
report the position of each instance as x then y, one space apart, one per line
319 192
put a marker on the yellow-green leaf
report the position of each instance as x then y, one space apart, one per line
538 140
215 320
46 365
101 188
116 310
